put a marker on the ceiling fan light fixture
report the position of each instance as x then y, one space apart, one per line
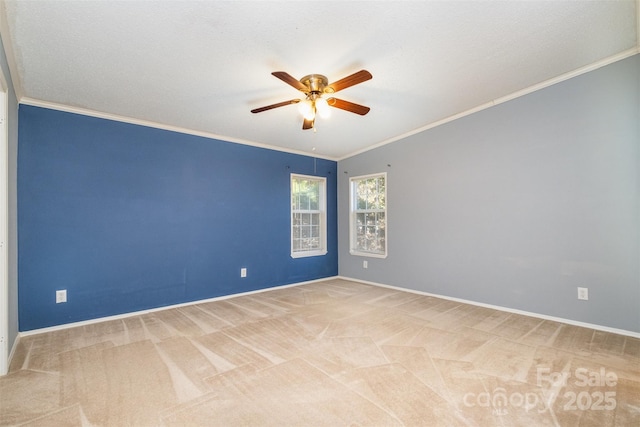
314 86
322 107
307 109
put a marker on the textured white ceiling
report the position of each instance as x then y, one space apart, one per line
201 66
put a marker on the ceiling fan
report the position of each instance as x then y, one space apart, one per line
314 86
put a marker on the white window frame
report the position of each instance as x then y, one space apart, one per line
353 211
321 212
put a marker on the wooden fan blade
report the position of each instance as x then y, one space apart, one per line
290 80
348 106
307 124
279 104
353 79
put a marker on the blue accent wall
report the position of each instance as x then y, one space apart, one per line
126 217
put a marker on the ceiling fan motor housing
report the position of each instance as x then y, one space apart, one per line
315 82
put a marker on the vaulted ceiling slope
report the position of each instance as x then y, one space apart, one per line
201 66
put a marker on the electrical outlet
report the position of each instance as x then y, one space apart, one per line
61 296
583 293
243 272
365 264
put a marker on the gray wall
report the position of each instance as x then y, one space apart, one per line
12 114
519 204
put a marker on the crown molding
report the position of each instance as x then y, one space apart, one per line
566 76
156 125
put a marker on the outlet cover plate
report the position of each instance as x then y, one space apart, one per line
583 293
61 296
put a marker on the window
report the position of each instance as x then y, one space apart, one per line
308 216
368 216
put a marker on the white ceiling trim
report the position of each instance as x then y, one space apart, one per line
523 92
518 94
156 125
22 99
19 91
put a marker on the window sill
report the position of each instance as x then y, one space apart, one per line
308 254
368 254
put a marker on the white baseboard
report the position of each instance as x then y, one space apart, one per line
505 309
13 351
153 310
220 298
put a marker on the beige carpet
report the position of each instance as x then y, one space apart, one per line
333 353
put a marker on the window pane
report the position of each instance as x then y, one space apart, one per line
313 194
368 227
361 195
304 201
361 203
307 214
314 203
370 218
